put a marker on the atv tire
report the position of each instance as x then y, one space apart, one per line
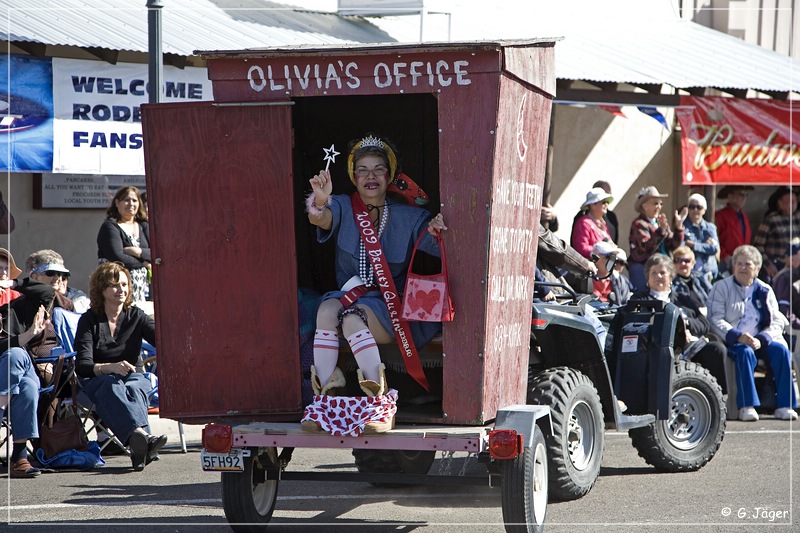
692 434
577 436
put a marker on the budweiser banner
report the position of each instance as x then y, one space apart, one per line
735 141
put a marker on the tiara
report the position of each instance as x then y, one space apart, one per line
371 140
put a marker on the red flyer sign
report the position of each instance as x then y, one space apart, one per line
736 141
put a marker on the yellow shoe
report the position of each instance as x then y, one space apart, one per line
373 389
335 386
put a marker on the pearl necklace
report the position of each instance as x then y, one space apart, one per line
365 271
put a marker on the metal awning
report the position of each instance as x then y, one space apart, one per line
624 51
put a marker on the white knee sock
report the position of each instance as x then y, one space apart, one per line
326 354
365 350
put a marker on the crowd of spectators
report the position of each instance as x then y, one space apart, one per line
109 333
738 291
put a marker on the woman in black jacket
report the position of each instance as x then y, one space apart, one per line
660 272
108 342
125 237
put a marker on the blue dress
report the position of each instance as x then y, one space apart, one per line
403 227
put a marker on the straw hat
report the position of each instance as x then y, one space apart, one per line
597 195
13 270
645 193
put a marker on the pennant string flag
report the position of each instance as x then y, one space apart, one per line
653 112
613 109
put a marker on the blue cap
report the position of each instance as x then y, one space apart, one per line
793 248
50 266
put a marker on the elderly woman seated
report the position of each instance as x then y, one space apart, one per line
744 313
109 342
660 273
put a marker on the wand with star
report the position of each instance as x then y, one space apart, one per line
330 156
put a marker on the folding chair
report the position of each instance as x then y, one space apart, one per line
50 388
149 364
65 324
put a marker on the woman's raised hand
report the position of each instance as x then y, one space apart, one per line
679 217
436 225
322 186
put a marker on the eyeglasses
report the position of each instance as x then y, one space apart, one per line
697 207
54 274
378 172
682 260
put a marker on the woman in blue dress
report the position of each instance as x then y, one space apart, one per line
366 322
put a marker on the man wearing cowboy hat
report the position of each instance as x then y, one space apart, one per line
651 232
733 226
8 274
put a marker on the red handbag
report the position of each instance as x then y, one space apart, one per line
427 298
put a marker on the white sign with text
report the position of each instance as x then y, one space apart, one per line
96 106
79 191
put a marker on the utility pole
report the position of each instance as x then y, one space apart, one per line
156 61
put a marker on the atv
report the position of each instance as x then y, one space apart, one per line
672 408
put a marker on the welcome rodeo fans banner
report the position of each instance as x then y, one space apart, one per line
736 141
82 117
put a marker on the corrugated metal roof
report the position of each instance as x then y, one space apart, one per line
617 41
187 25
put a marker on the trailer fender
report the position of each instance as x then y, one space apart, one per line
522 419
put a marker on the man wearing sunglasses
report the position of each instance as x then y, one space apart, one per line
47 266
23 317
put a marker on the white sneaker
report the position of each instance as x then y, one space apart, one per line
785 413
748 414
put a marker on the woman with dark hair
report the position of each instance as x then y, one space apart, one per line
109 342
374 236
660 272
125 237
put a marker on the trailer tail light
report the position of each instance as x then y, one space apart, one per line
504 444
217 438
538 323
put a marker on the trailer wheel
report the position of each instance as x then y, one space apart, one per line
692 434
575 444
393 462
248 497
524 488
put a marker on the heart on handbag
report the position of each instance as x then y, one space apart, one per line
425 300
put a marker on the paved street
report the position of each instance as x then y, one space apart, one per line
747 487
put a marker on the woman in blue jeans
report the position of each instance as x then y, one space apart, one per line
19 391
109 342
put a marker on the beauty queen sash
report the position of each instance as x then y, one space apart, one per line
383 277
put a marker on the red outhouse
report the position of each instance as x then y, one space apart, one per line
232 244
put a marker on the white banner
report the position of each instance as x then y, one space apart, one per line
97 127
